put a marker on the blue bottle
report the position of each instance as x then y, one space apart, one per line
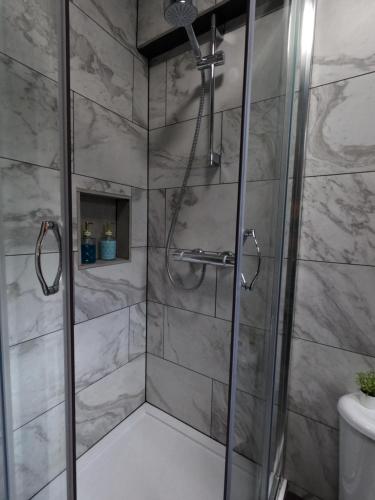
108 245
88 246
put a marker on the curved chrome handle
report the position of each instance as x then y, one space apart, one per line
246 235
44 228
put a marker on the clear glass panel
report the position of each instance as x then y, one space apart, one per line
30 194
258 371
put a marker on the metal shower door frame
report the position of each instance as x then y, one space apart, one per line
264 487
65 136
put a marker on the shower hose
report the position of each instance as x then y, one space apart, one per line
176 283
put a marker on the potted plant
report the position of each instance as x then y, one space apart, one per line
366 382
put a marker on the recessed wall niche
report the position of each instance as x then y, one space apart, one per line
101 210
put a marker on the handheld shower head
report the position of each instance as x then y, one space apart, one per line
180 13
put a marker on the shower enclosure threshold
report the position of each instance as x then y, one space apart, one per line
153 456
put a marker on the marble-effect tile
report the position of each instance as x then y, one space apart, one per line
204 213
101 69
24 293
37 377
39 452
101 290
335 304
179 392
101 347
29 110
170 149
340 136
312 456
347 50
320 375
155 328
156 217
103 405
161 290
338 219
137 330
107 146
198 342
157 96
30 28
140 93
118 18
29 195
139 218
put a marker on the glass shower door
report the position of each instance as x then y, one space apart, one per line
252 462
31 222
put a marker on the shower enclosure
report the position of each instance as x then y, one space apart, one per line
192 316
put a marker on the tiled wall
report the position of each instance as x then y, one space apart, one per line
334 315
109 105
189 332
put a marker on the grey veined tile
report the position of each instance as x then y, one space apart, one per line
155 328
108 146
335 305
137 330
24 293
156 217
320 375
37 377
198 342
29 114
249 417
139 218
101 346
101 290
140 93
264 141
348 49
103 405
157 97
161 290
56 490
29 195
255 304
39 452
341 136
180 392
29 33
101 68
206 219
117 17
338 219
312 453
170 150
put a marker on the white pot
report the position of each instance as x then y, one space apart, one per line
367 401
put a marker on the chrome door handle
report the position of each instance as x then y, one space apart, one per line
244 283
44 228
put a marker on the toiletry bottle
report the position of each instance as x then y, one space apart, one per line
108 244
88 246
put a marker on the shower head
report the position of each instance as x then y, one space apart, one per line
180 13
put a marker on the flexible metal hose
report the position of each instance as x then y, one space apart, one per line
182 191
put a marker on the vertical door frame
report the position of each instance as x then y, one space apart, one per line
67 247
240 226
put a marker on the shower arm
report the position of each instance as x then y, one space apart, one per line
215 58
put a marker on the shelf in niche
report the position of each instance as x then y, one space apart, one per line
100 209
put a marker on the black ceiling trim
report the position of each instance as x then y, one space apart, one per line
224 13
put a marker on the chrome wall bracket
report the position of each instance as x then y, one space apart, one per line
213 59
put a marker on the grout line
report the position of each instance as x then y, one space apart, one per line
330 346
313 419
353 77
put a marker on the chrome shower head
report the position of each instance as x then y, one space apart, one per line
180 13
